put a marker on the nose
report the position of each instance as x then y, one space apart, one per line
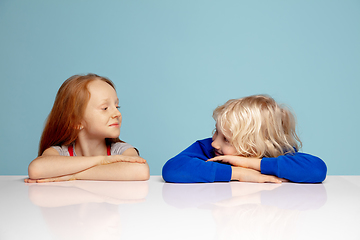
214 143
117 114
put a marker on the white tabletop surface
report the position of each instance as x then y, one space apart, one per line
157 210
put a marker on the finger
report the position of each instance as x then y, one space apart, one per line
212 160
141 161
44 180
122 158
273 180
216 159
284 180
133 160
32 181
137 160
28 180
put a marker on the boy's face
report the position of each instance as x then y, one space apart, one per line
221 144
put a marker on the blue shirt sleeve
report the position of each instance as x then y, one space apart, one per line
296 167
190 165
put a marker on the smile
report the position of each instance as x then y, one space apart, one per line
217 153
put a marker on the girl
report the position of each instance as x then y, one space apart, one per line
254 141
81 136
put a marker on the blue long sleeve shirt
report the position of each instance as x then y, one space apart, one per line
190 166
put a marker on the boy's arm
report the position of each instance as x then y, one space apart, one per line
296 167
190 166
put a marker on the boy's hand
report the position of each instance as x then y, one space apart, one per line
250 175
237 161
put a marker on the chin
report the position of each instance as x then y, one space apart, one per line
113 136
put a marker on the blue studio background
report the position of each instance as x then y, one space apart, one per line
173 62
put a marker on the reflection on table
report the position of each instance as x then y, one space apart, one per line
85 209
157 210
249 210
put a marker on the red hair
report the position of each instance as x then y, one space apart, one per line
62 124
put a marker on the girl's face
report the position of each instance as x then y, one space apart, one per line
102 118
221 144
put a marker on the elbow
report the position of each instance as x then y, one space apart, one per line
33 171
166 173
170 174
321 172
144 173
315 175
177 171
166 176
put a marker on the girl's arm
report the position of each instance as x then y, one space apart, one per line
118 171
51 164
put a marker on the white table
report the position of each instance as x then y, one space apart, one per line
157 210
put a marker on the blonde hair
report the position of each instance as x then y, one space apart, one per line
257 126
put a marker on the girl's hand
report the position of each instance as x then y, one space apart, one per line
237 161
121 158
250 175
55 179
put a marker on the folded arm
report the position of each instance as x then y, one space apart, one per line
296 167
187 169
53 167
198 164
118 171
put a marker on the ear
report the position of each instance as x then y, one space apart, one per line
79 127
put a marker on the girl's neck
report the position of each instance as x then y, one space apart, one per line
89 148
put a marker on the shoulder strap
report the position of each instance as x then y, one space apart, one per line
108 150
71 150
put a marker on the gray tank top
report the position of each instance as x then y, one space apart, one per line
117 148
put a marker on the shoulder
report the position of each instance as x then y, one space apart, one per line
200 149
119 148
206 143
62 150
202 145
